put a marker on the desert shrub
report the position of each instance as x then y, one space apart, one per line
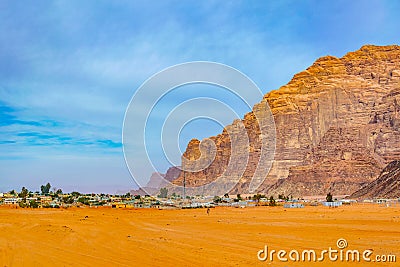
23 204
84 200
33 204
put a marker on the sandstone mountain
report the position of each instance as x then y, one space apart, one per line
337 126
386 186
157 181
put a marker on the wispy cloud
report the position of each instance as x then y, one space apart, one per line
67 75
53 134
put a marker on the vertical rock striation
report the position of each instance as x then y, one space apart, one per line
337 125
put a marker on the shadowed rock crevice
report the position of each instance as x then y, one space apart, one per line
387 185
337 126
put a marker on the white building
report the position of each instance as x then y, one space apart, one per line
10 201
332 204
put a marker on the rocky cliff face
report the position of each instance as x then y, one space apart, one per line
337 125
387 185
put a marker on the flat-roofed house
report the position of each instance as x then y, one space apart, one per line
10 201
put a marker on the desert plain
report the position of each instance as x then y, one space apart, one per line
189 237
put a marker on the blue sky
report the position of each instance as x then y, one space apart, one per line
68 70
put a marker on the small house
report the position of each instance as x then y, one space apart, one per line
334 204
293 205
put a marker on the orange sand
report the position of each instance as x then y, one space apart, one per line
227 237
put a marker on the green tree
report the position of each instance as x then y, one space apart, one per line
239 197
24 192
59 191
23 204
283 197
45 189
257 198
217 199
68 200
226 195
272 201
84 200
163 192
329 197
75 194
33 204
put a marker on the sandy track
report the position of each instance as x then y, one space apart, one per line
228 236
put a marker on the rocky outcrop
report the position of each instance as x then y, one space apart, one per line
157 181
172 174
139 192
152 187
337 125
349 107
387 185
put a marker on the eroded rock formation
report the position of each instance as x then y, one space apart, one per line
337 125
387 185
